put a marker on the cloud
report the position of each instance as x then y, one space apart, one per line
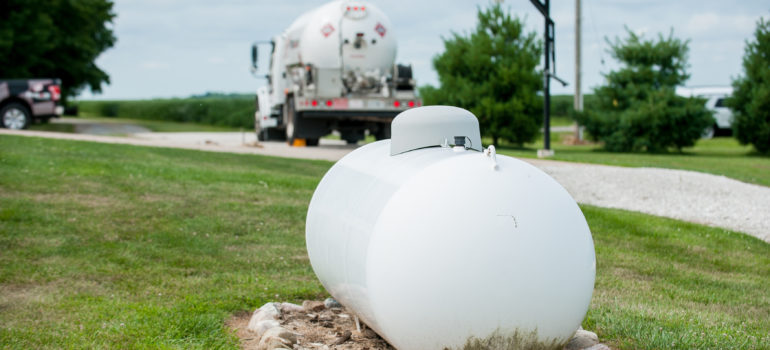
719 25
702 22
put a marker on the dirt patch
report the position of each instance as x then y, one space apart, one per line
333 328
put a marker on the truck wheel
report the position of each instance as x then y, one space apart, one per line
261 134
352 137
274 134
258 130
383 133
311 142
15 116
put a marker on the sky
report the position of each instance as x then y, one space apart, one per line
178 48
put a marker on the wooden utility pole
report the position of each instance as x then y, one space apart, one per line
578 105
578 93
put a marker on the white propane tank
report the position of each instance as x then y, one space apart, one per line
352 35
440 247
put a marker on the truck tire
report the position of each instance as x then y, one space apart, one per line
352 137
261 134
383 132
15 116
312 142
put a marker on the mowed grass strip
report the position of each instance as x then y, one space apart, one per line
719 156
153 125
113 246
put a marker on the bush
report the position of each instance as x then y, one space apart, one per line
664 120
638 110
109 109
218 111
751 95
491 71
563 106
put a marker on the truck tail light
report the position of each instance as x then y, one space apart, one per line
411 104
396 104
315 103
328 103
55 91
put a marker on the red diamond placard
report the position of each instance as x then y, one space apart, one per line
327 30
380 29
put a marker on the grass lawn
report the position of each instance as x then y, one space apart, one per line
719 156
153 125
114 246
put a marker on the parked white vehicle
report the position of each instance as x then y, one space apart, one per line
715 101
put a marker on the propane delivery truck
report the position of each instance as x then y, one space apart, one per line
333 70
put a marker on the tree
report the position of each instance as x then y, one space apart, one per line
751 94
637 109
492 73
56 39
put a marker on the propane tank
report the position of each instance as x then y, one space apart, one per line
437 243
353 35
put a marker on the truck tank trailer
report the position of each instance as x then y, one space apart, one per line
333 70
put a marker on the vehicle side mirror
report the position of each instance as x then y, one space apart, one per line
254 56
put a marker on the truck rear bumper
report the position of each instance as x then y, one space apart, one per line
372 116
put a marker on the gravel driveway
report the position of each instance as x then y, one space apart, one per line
685 195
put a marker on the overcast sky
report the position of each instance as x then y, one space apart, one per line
177 48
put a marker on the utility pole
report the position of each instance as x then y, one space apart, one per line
550 55
578 93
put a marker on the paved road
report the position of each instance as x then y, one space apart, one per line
685 195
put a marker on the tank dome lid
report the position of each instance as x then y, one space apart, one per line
431 126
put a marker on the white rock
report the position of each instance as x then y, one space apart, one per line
272 343
286 307
268 311
583 339
263 326
598 347
277 337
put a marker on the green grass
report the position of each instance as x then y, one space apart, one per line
719 156
152 125
114 246
561 121
221 110
666 284
70 128
125 247
160 125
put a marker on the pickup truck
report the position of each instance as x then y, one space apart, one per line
22 101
